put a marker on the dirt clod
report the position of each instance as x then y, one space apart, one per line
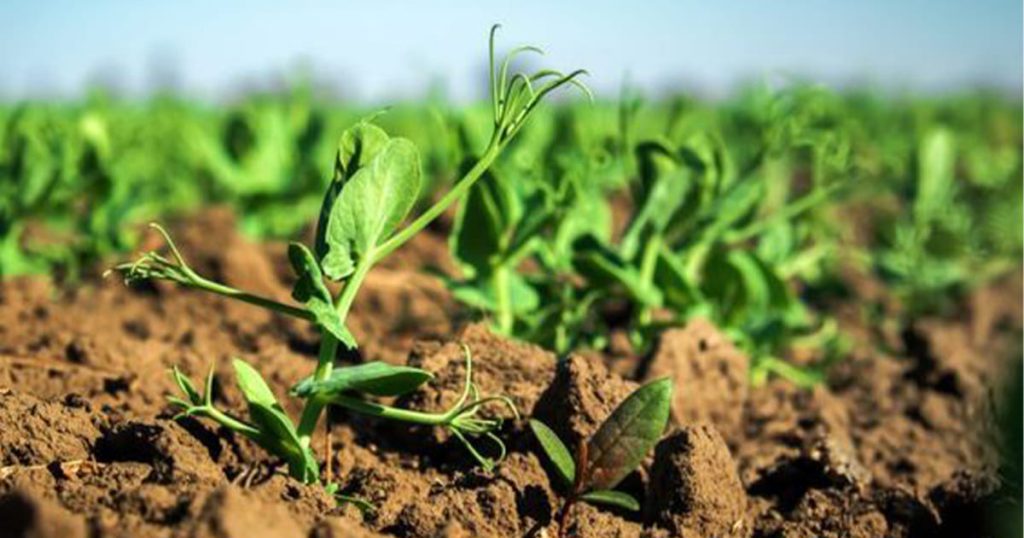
176 456
230 513
25 515
694 489
583 394
37 432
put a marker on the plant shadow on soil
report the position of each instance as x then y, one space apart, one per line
900 444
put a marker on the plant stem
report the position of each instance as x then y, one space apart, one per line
428 216
393 413
246 297
348 294
311 411
228 421
788 212
563 515
504 302
328 349
328 453
649 261
648 264
329 345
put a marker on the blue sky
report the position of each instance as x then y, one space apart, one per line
383 50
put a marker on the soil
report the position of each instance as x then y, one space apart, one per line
900 441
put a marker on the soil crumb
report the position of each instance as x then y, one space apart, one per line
695 489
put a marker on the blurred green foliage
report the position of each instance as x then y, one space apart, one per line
626 214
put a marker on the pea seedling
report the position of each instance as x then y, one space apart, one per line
618 446
376 182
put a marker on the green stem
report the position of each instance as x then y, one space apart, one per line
328 349
790 211
348 294
311 411
246 297
428 216
647 266
393 413
228 421
502 297
649 261
329 345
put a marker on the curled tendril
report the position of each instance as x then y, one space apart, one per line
463 423
514 98
154 266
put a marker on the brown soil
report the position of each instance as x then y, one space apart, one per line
898 443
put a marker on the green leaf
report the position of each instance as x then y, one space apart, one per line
376 378
187 387
654 160
278 436
276 430
625 437
371 203
475 240
732 207
253 387
666 188
612 498
310 290
670 277
590 214
757 288
480 293
277 433
556 451
357 147
603 267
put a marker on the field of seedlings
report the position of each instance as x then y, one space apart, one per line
793 312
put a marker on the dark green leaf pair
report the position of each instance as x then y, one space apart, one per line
744 289
603 267
615 450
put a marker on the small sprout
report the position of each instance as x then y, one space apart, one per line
614 451
364 216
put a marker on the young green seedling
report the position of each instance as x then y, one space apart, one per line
375 185
618 446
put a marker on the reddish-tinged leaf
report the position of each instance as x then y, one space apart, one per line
628 435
